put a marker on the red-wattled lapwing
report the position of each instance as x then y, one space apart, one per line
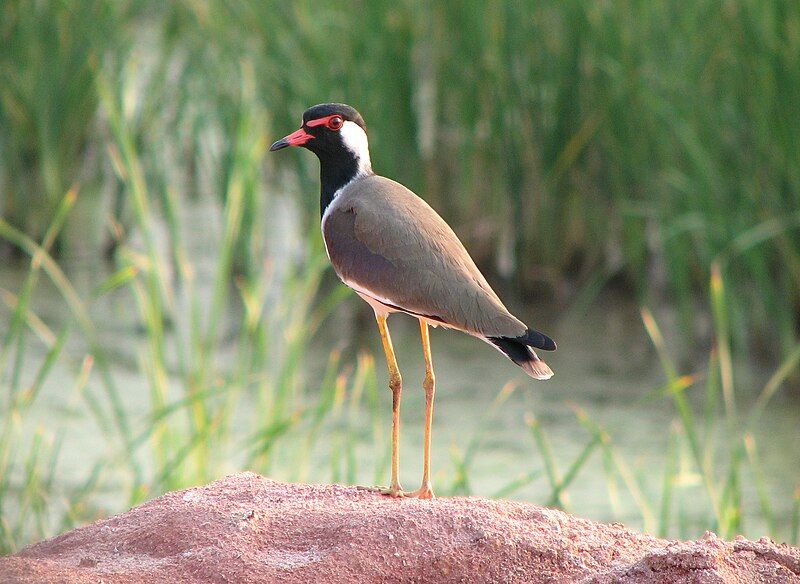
395 251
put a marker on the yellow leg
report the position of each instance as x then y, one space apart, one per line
396 385
425 491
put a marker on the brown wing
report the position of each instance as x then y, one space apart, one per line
388 243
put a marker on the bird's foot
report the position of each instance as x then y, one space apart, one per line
395 491
424 492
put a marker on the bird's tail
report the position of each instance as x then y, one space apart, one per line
520 351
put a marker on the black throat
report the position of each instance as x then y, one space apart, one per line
335 171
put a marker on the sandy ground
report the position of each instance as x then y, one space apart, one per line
249 529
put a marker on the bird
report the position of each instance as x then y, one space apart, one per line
399 255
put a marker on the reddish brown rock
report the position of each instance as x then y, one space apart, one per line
246 528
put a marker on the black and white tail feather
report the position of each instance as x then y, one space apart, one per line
520 351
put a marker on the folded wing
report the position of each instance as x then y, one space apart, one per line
386 242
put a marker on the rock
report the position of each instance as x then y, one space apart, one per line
246 528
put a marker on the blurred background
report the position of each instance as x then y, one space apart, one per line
627 175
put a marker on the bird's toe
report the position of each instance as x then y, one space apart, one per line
424 492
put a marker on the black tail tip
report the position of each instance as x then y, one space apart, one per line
520 353
539 340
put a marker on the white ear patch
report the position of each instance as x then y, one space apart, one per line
355 139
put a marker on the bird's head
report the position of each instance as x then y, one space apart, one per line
335 132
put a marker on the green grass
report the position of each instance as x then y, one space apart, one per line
566 141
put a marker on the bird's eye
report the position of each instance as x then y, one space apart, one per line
335 123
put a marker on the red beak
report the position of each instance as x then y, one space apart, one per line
297 138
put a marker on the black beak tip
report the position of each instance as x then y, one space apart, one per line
280 144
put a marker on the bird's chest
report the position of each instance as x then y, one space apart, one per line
329 228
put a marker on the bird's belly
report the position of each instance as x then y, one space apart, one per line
383 310
379 307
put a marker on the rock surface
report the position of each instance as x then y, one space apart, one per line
246 528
